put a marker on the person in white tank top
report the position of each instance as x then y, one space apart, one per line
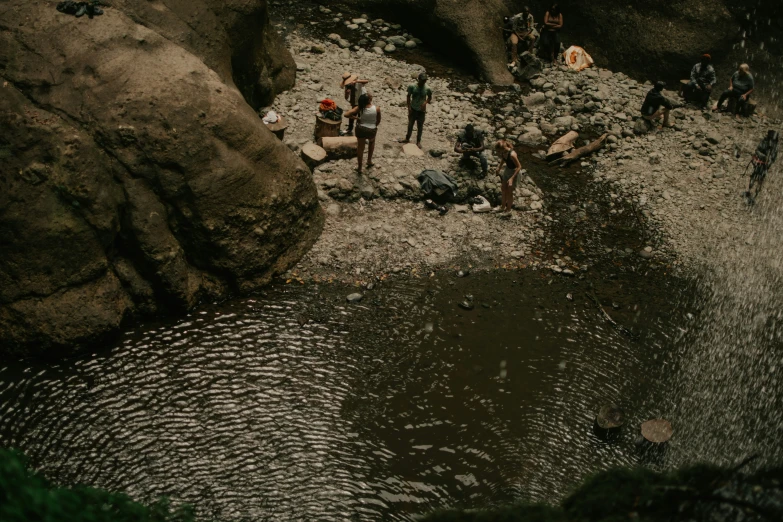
368 117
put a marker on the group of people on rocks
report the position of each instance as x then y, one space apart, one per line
364 117
521 29
656 106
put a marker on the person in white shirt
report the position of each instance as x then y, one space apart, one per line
367 117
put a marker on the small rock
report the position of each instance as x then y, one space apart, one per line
466 305
389 48
354 298
412 150
410 44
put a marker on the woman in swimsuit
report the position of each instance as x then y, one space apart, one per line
510 175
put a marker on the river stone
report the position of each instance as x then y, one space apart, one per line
389 48
410 44
537 98
399 41
412 150
354 298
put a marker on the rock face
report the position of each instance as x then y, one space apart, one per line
135 176
468 29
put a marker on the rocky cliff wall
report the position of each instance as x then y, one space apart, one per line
135 177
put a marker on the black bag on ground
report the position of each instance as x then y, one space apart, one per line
437 186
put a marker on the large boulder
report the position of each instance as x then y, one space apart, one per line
136 178
467 29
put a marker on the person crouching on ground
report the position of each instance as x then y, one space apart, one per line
656 105
419 96
703 78
470 143
741 86
510 168
368 117
353 87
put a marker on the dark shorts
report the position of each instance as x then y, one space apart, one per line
365 133
417 116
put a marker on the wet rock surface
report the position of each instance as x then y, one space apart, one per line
137 178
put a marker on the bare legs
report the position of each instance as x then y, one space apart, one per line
360 152
370 150
507 197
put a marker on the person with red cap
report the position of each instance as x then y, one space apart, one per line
703 77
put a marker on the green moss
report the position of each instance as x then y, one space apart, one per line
26 496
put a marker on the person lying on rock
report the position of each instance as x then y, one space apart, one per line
699 88
657 106
353 87
522 29
741 86
419 96
510 167
470 143
368 117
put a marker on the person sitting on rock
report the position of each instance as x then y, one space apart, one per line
699 89
354 87
470 143
656 105
522 29
741 86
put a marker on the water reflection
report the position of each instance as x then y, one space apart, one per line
298 405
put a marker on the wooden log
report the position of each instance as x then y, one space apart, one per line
562 145
582 151
749 108
340 147
683 83
278 128
313 155
326 128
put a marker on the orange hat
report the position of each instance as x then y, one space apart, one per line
707 56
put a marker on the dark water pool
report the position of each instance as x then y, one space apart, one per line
296 405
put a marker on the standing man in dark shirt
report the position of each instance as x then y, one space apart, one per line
470 142
741 86
703 78
419 96
656 105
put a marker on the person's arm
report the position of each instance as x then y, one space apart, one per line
517 168
363 81
747 94
666 102
458 146
712 78
501 163
409 101
695 76
351 113
547 21
427 101
558 22
750 91
731 83
377 116
480 148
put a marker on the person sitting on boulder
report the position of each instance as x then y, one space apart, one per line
656 105
522 29
354 87
741 86
699 89
470 143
